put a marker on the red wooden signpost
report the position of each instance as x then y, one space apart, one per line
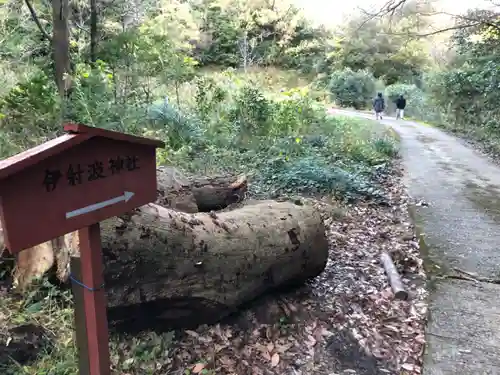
72 183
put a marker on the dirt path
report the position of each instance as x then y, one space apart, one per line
462 232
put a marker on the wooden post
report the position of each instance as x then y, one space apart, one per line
80 326
94 311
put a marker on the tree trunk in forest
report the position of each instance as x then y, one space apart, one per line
175 269
2 241
93 31
60 40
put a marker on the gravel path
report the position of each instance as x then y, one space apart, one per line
460 219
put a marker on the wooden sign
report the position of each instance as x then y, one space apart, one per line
72 183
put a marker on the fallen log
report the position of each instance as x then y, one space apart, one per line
393 276
175 269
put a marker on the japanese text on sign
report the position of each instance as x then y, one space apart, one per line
76 174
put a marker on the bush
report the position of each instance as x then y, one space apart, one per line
468 97
178 128
350 88
28 114
296 110
251 112
315 174
416 103
419 104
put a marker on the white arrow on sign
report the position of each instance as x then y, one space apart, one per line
127 195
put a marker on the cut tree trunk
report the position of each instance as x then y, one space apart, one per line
200 194
170 268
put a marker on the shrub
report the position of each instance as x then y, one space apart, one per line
468 97
296 110
316 174
251 112
415 98
177 127
350 88
28 114
419 104
32 101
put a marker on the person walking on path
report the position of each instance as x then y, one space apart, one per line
378 106
400 107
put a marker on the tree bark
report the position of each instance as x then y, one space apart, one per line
60 40
93 31
393 276
175 269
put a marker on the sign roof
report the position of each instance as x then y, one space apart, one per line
78 133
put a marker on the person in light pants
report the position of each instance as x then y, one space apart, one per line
400 107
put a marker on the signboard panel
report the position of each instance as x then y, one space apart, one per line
90 182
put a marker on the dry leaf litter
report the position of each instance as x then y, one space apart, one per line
345 321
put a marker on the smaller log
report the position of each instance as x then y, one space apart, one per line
198 194
215 198
393 276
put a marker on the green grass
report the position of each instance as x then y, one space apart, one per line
273 79
420 122
332 159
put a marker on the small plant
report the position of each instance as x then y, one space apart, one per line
251 112
386 147
177 127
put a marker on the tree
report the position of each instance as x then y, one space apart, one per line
466 90
460 21
377 46
247 47
93 31
60 40
35 18
352 89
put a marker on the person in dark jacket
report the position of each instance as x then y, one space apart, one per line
400 107
378 106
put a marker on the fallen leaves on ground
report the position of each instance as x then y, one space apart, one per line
345 321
